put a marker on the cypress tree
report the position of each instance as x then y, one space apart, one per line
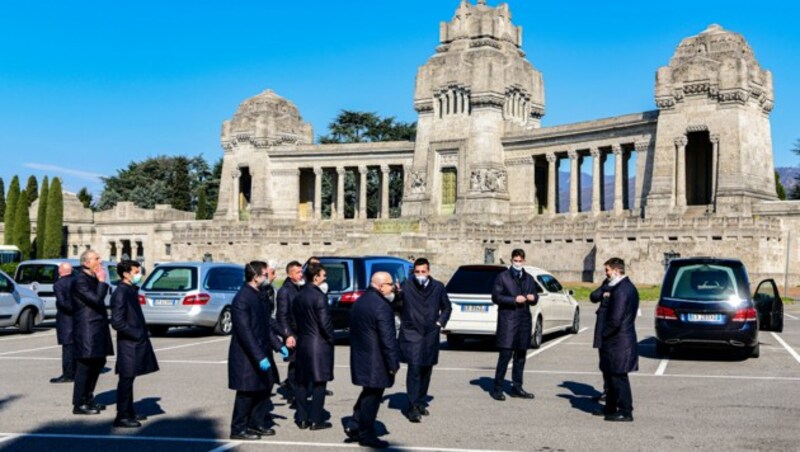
181 196
41 219
202 205
22 226
32 189
11 210
2 200
53 237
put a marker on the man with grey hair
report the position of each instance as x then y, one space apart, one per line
64 323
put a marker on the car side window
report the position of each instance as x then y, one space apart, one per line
47 274
5 284
26 274
224 279
550 283
398 270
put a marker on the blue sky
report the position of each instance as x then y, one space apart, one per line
87 87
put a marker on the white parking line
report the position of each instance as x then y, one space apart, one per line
787 347
29 350
225 447
191 345
8 438
30 337
225 442
553 344
790 316
662 366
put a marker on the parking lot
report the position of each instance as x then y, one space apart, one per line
708 400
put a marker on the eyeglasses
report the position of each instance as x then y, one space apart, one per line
387 284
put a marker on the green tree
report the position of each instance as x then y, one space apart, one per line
779 187
11 211
212 187
85 197
180 185
22 225
54 231
202 205
2 200
41 219
356 127
32 189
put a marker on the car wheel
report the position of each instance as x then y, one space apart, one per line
576 322
26 319
455 341
536 339
755 352
662 349
225 323
158 330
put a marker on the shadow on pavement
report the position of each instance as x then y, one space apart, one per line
647 349
8 399
581 397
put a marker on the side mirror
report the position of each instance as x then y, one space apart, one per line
570 292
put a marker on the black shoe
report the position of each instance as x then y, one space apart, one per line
328 393
599 398
414 415
373 443
521 394
62 379
497 395
263 431
84 409
126 423
423 411
97 406
351 433
321 426
302 424
619 417
245 435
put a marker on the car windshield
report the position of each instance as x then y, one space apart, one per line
477 281
174 279
706 282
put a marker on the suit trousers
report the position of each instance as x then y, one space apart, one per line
87 371
502 365
418 379
619 397
125 398
67 361
249 410
313 411
365 412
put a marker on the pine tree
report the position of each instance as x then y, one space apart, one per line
780 191
32 189
85 198
11 210
41 219
22 226
55 221
181 194
202 205
2 200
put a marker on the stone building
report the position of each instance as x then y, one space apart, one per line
693 177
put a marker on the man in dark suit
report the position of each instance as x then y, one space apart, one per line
601 296
314 356
286 295
618 344
252 343
135 354
424 310
91 334
374 357
514 293
64 323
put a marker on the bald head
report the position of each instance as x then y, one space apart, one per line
382 282
64 269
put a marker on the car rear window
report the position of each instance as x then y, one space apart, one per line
706 282
175 279
473 280
337 275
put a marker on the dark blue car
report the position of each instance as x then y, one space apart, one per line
706 301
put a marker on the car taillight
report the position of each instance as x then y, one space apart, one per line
196 299
663 312
351 297
142 299
744 315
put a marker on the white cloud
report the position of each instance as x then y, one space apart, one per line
85 175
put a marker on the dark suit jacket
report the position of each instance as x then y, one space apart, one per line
619 347
64 321
514 323
600 322
251 341
286 295
422 308
314 350
373 342
91 334
135 354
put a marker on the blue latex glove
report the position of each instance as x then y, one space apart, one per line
264 364
284 352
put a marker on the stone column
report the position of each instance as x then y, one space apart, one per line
233 212
384 191
574 186
340 175
641 173
597 181
619 174
551 183
714 164
317 193
680 171
362 192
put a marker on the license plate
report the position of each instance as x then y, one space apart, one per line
707 318
163 302
474 308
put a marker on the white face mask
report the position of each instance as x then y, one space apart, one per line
516 266
615 279
300 283
264 282
421 280
390 297
323 287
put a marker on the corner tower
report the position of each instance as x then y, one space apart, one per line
475 89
